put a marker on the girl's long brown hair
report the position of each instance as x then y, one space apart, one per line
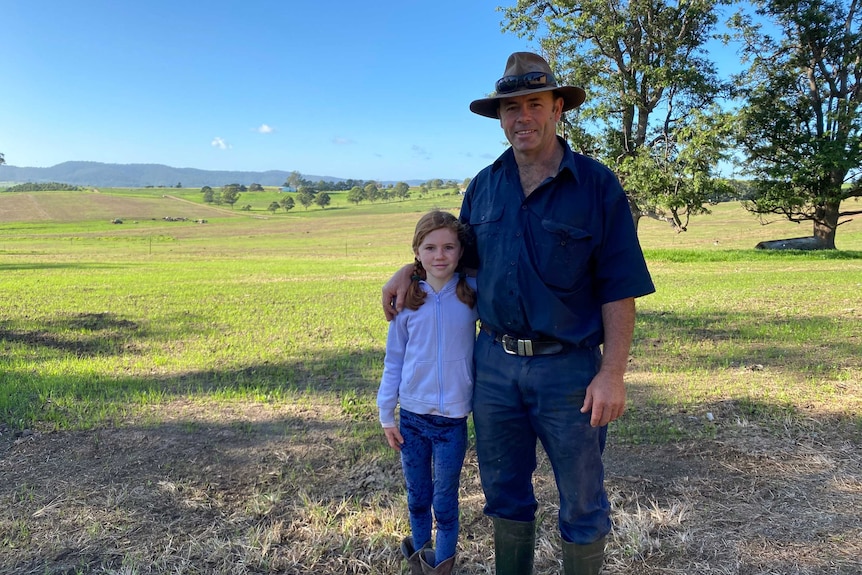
428 223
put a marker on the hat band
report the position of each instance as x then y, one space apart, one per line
528 81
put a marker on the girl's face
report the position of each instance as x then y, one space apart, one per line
439 253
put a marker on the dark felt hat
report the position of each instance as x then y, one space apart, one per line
526 73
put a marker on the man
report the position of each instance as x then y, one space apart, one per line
558 267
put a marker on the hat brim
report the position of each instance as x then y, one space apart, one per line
490 107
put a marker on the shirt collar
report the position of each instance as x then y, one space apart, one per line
507 160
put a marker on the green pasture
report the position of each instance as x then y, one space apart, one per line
102 323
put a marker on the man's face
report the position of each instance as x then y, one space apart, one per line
529 121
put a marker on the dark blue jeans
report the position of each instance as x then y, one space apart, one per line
517 400
432 457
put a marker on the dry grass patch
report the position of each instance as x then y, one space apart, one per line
203 487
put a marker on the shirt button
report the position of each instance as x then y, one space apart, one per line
517 234
523 207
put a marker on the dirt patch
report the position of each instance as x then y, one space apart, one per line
303 488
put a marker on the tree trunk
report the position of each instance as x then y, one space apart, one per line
637 214
826 222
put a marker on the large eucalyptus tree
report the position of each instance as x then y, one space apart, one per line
800 125
652 109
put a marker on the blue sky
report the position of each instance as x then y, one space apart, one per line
366 90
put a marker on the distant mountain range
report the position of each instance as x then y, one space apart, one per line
97 174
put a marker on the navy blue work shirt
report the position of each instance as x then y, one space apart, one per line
548 262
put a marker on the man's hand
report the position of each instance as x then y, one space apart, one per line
394 292
606 397
393 438
606 394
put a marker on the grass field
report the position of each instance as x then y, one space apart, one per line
199 398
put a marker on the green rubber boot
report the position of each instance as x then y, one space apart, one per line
583 559
514 544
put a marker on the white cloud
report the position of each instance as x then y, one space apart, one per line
339 141
219 143
265 129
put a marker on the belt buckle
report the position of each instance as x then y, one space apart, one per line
524 347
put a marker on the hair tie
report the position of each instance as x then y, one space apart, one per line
415 278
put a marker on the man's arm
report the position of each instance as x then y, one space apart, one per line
395 290
606 394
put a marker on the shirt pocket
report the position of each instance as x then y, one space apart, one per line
485 220
562 254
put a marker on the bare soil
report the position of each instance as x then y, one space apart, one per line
259 488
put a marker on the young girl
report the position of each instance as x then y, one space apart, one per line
428 371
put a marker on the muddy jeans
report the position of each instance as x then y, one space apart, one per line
432 457
517 400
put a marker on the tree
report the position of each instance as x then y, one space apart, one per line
651 113
801 126
209 194
287 203
322 199
401 190
355 195
372 192
230 194
255 188
305 197
2 159
273 207
294 179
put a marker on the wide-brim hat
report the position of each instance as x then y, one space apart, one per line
526 73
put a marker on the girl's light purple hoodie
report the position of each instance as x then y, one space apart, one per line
428 367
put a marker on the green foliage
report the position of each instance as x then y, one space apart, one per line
651 112
305 197
355 195
800 127
401 191
44 186
322 199
371 192
230 194
294 180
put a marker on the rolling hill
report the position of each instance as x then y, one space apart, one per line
98 174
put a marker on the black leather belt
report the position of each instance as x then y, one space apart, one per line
525 347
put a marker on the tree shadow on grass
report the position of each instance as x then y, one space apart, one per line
825 344
291 449
84 335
